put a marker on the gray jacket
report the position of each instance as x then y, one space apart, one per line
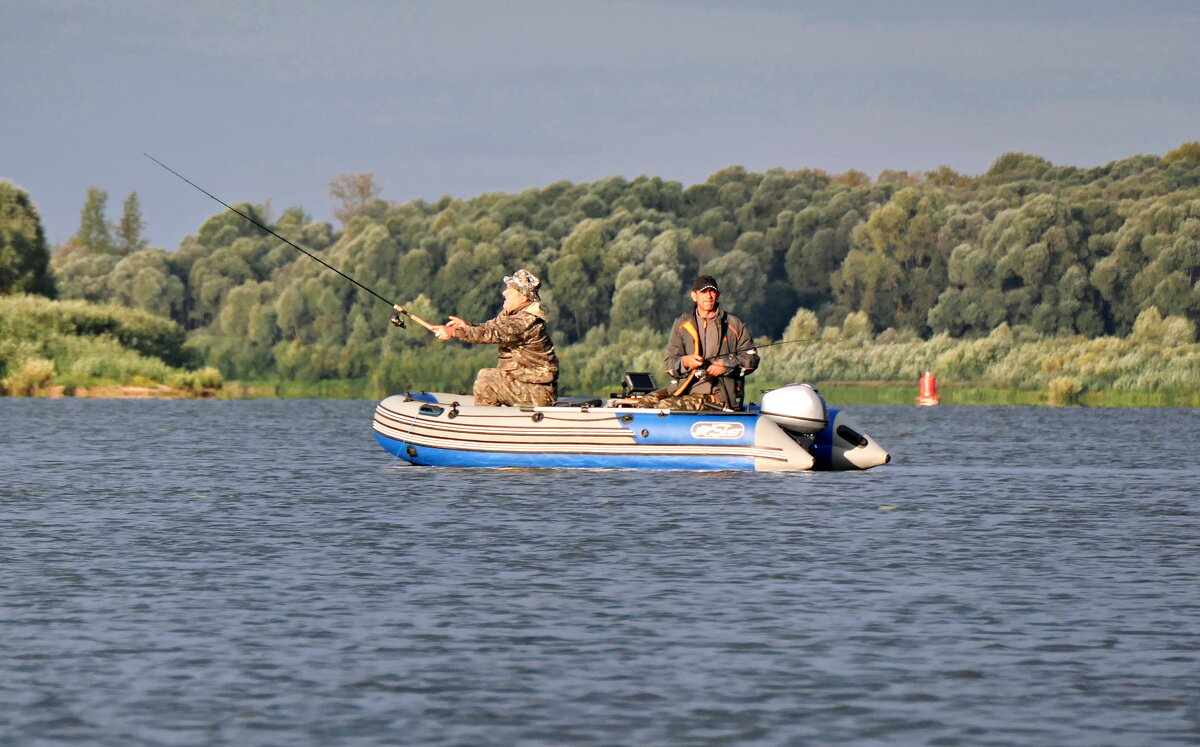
736 351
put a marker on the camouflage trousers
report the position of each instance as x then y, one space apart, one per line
662 399
494 388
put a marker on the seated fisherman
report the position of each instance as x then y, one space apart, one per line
709 353
527 373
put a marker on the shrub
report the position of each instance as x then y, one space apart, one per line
33 377
79 344
205 378
1065 389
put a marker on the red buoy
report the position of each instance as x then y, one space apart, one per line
928 395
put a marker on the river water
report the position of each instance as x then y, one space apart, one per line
260 572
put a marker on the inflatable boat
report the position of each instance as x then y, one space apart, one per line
793 429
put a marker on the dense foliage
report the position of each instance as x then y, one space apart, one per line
1046 252
74 344
24 256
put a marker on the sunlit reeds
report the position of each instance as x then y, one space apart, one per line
50 345
1159 356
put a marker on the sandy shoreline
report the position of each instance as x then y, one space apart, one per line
160 391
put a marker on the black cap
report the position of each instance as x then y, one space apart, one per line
704 282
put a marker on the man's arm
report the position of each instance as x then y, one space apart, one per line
505 328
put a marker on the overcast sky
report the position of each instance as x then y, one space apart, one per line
270 100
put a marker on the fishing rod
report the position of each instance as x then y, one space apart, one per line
768 345
700 373
789 342
396 320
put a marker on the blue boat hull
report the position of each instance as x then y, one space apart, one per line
449 430
432 456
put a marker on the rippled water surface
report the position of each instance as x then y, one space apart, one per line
260 572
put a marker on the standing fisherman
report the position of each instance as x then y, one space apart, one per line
527 373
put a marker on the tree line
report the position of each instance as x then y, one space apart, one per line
1055 250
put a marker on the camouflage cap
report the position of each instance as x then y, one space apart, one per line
526 282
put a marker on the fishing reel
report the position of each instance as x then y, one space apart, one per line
398 321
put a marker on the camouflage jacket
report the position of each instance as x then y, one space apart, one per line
526 352
736 350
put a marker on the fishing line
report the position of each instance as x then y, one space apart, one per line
393 304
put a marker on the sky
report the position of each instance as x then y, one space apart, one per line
268 101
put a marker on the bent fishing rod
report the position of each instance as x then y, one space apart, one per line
396 320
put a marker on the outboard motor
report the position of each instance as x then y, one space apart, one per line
798 408
835 441
843 445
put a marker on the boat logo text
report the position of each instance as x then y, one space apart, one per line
718 430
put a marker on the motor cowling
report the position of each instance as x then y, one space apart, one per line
798 408
843 445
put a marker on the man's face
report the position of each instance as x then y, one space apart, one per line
513 298
706 300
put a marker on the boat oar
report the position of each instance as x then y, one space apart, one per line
396 320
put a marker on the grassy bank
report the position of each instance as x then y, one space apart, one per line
50 348
1158 363
56 348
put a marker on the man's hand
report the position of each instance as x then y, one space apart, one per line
456 323
442 331
716 369
695 360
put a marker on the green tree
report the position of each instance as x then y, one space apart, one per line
818 238
741 280
1155 259
213 277
94 233
804 325
80 274
1017 166
895 269
129 229
414 273
355 194
649 281
577 277
633 304
250 325
1189 151
24 257
144 280
1029 265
